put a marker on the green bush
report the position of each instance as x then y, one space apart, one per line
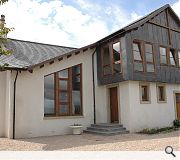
157 130
176 123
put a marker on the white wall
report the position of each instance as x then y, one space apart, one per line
153 114
30 121
2 102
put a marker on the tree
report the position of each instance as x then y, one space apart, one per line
3 35
3 1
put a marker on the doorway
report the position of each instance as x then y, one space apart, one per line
178 105
114 105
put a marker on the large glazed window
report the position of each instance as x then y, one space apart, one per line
172 57
138 58
163 55
149 57
63 92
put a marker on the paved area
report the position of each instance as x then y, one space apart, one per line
89 142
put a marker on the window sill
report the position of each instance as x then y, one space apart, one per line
62 117
145 102
162 101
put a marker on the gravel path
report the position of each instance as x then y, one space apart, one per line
88 142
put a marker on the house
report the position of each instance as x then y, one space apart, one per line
131 77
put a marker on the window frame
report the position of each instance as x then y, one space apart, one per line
167 58
111 57
148 101
57 92
165 96
141 54
145 60
178 58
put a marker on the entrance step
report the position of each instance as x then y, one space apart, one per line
106 129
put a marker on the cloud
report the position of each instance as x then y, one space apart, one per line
56 22
176 7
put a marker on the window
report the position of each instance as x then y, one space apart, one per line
111 58
137 53
116 58
179 57
172 57
163 55
106 60
144 93
63 92
161 92
149 57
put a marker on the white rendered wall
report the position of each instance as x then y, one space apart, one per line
153 114
30 120
2 102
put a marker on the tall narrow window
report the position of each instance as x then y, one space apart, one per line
172 57
179 57
144 92
49 103
161 92
106 60
116 58
149 57
163 55
138 59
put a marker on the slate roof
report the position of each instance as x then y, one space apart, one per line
30 54
27 54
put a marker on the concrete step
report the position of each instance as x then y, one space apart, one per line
110 125
106 133
106 128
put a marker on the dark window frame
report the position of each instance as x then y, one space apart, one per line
159 95
147 98
111 57
57 90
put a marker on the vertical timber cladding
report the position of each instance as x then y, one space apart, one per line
163 29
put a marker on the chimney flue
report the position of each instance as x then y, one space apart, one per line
3 18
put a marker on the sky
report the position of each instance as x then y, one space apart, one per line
74 23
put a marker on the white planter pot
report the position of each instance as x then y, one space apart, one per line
76 129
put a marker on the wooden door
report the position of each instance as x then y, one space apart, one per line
114 105
178 105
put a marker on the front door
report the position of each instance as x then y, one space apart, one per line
178 105
114 105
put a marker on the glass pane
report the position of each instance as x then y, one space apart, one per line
164 59
150 67
76 69
117 68
162 51
137 55
63 84
63 96
148 48
107 70
161 92
136 47
172 58
138 66
116 52
145 94
106 55
64 109
149 57
49 94
76 94
63 73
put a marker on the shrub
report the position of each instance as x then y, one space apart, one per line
176 123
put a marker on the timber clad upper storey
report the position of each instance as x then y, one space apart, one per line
149 50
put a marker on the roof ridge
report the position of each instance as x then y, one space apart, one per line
41 43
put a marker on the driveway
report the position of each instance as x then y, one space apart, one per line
89 142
